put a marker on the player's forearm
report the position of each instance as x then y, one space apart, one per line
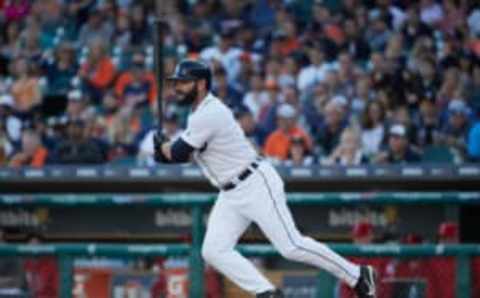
167 150
177 152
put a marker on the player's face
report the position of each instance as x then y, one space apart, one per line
186 91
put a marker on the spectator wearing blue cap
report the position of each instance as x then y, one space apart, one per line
455 131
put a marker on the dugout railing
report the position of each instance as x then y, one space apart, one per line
198 204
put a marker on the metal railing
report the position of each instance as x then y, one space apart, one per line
197 204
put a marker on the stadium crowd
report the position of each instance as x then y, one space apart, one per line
311 82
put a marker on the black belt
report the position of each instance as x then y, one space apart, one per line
243 175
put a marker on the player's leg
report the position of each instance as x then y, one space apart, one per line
225 226
274 218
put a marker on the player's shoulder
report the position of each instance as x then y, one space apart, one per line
212 109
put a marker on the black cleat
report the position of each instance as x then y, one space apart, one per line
271 294
366 285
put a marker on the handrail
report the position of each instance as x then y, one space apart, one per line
203 199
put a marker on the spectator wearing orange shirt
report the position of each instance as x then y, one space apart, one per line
26 88
137 84
278 142
33 153
98 71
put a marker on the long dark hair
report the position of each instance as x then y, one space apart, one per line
366 121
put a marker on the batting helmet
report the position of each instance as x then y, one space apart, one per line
191 70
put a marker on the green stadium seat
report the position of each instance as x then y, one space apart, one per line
438 154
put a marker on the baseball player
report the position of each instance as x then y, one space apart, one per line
250 191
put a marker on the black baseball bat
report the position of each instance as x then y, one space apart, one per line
159 32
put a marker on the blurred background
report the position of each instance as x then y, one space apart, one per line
370 109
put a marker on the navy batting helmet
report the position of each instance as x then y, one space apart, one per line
191 70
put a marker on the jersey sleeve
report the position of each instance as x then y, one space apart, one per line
200 129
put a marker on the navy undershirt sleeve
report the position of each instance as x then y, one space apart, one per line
181 151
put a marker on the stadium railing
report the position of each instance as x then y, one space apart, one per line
197 202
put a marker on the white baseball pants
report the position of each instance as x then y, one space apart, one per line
261 199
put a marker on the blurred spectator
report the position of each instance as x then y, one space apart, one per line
76 105
348 152
378 32
10 125
356 45
42 273
362 233
314 102
16 10
125 129
61 70
12 275
454 16
253 131
136 86
474 139
96 28
362 95
225 53
444 268
32 152
26 88
171 130
257 99
11 40
429 124
278 143
373 128
77 147
122 35
98 71
141 32
429 82
448 233
299 153
29 43
431 12
399 149
455 131
328 136
224 90
414 27
316 71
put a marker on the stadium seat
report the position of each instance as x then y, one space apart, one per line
438 154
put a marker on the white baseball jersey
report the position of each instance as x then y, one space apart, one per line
223 153
223 150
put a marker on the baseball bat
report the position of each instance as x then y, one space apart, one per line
159 32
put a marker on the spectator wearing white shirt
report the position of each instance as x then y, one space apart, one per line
257 98
431 12
373 128
474 21
145 150
226 53
316 71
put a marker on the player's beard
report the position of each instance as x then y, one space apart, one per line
188 98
